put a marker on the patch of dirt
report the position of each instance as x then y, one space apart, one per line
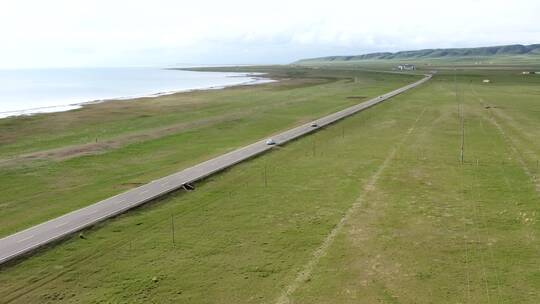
98 147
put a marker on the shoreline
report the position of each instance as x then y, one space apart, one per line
254 79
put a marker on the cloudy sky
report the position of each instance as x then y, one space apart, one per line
63 33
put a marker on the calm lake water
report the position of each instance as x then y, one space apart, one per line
29 91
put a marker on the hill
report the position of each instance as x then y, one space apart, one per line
480 52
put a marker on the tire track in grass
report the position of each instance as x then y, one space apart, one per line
476 214
467 259
505 179
468 274
508 186
509 190
503 114
520 159
321 251
511 142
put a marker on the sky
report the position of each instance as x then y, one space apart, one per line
99 33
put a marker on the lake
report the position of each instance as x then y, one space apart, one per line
30 91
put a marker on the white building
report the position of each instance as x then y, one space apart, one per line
406 67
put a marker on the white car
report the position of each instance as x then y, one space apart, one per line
270 142
314 124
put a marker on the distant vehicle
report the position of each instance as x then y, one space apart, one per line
270 142
314 124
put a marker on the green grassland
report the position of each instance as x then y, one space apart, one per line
434 231
517 64
54 163
377 208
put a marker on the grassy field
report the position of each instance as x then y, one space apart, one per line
516 63
433 230
377 208
51 164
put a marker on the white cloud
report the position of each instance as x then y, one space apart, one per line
137 32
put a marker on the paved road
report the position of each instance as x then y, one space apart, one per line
25 241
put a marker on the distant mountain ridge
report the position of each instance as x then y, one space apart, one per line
503 50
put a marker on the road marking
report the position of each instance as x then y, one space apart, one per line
60 225
91 212
25 239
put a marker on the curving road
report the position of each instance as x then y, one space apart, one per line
23 242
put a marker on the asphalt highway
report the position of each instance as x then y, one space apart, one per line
24 242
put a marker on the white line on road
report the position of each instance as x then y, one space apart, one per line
60 225
25 239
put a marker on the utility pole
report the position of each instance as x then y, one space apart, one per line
172 229
265 176
462 127
461 117
462 135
